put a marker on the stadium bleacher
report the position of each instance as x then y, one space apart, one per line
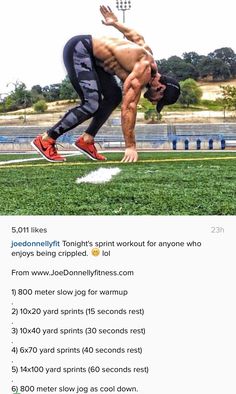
148 136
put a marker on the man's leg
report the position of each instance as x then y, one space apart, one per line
83 76
112 97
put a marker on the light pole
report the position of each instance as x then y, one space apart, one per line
123 5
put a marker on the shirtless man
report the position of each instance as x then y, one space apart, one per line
91 63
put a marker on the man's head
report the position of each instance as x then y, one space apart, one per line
162 90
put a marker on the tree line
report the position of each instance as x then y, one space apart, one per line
219 65
20 97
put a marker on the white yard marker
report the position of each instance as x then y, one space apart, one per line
101 175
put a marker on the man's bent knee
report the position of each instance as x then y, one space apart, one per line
90 106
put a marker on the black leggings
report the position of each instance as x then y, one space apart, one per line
99 91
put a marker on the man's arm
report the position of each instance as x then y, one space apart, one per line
131 94
110 19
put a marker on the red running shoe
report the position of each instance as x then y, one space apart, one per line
47 149
88 149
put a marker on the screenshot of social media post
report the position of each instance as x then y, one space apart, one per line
117 197
114 305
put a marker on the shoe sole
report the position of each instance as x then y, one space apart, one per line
86 153
45 157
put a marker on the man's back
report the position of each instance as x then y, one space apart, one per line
118 55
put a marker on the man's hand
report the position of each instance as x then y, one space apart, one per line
131 155
109 17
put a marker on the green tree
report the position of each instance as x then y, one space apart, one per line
37 89
51 92
177 68
228 99
149 110
227 56
152 115
67 92
40 106
36 93
192 58
10 105
215 69
19 98
144 105
190 92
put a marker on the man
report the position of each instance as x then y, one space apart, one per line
91 64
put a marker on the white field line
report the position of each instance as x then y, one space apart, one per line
2 163
101 175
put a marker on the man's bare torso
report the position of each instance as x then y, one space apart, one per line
119 56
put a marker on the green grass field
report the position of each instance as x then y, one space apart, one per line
187 183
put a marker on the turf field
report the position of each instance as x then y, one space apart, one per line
187 183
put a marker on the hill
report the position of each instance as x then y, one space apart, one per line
211 90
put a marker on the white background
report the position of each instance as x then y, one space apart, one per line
188 296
